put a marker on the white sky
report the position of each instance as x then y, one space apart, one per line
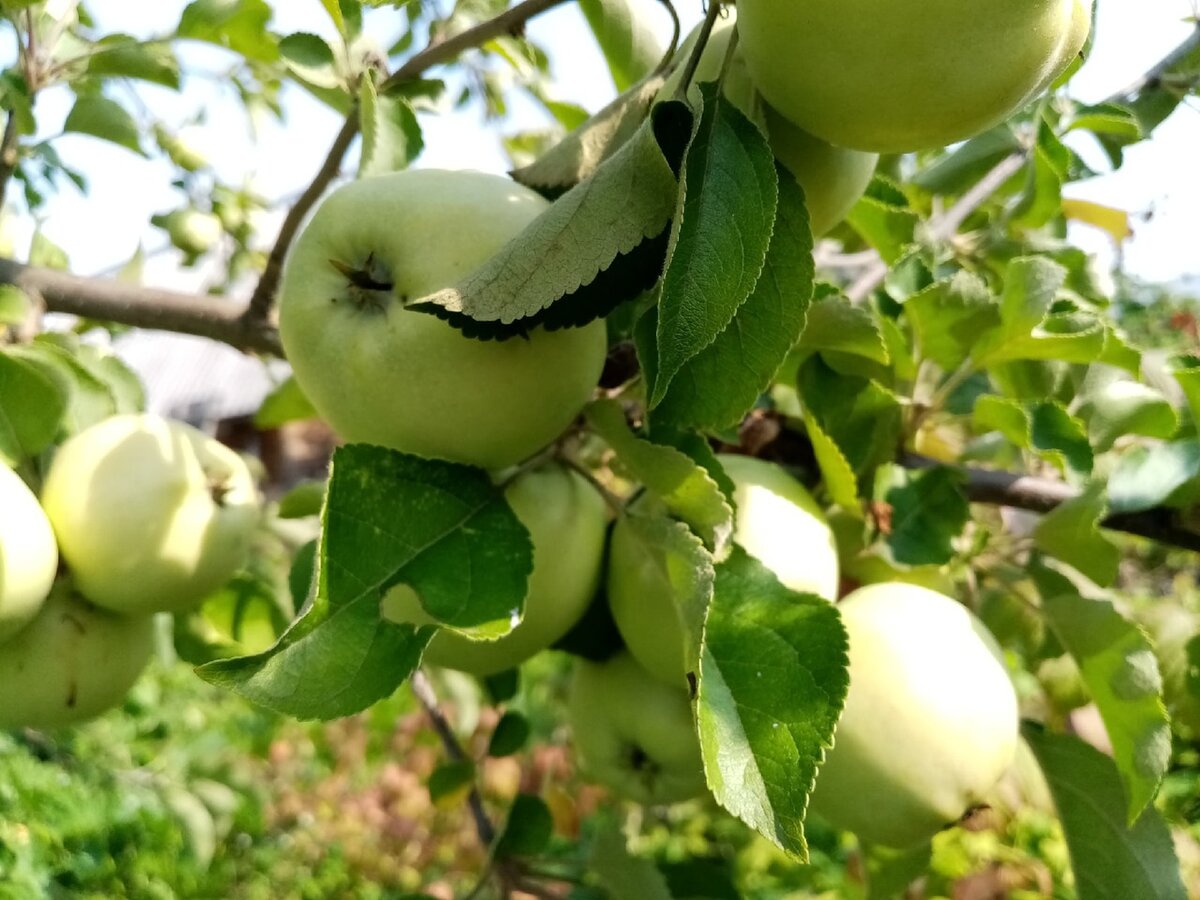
104 228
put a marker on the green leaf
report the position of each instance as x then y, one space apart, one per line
623 875
528 829
44 252
88 398
773 679
577 156
1115 407
927 511
1122 677
1111 860
1186 370
626 38
600 244
459 547
391 134
1030 328
883 219
32 406
685 565
1030 285
862 418
684 486
1146 477
511 734
303 500
15 305
308 56
1046 170
287 403
451 782
124 56
238 25
1071 532
716 387
950 317
836 472
719 240
835 326
105 119
334 9
1044 427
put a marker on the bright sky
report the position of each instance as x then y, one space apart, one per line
102 229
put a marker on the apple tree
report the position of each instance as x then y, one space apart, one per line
773 396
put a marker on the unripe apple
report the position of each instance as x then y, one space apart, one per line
833 178
566 519
899 75
635 734
384 374
28 554
191 231
151 515
777 522
71 663
930 722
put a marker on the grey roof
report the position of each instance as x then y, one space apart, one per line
196 379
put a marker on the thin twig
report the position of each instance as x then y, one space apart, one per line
258 312
423 690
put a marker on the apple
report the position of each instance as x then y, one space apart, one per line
930 723
833 178
191 231
567 520
28 554
151 515
635 734
382 374
777 522
893 76
71 663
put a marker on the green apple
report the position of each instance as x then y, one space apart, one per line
28 554
777 522
151 515
383 374
635 734
892 76
930 723
833 178
191 231
71 663
567 519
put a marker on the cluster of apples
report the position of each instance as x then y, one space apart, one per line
148 515
931 720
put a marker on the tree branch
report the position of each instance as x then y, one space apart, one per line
511 21
423 690
1042 495
115 301
8 154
